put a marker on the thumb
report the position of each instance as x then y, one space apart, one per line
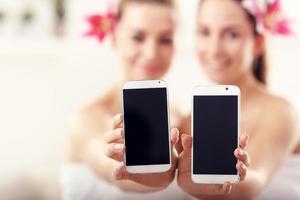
184 163
186 141
174 136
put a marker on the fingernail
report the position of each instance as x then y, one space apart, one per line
247 139
182 136
118 117
116 173
177 131
241 152
230 187
119 132
243 167
118 146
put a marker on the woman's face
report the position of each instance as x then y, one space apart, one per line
225 41
144 40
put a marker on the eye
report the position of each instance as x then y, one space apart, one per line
232 35
203 32
166 40
138 38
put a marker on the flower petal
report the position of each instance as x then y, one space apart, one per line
275 6
282 27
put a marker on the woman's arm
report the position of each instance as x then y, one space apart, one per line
208 191
272 143
89 144
115 150
274 140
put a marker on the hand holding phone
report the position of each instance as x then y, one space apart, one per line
146 125
215 131
115 149
210 184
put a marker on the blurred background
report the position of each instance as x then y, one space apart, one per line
48 70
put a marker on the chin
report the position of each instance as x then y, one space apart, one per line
222 80
145 77
224 77
152 76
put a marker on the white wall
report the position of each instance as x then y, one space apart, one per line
43 81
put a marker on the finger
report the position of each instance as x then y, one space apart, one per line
242 156
226 188
243 141
115 151
120 172
150 179
186 141
117 121
174 140
114 135
184 160
174 136
218 189
242 170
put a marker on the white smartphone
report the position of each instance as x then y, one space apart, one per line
215 132
146 125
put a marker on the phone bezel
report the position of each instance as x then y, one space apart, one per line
207 91
148 84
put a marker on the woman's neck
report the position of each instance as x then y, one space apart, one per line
250 88
112 98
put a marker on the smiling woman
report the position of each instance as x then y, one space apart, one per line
143 39
229 48
148 53
236 32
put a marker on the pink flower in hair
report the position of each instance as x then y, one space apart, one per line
269 16
101 25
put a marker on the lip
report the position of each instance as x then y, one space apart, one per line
217 65
151 69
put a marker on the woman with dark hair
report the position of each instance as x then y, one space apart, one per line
231 50
142 34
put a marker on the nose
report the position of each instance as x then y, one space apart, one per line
150 49
215 47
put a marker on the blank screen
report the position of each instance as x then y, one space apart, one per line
146 126
215 129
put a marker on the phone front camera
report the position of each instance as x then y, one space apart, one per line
158 81
227 88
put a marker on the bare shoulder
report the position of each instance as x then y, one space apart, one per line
279 108
281 115
89 121
92 115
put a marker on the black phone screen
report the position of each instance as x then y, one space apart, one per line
215 134
146 126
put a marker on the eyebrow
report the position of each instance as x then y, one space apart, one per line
139 30
233 27
167 32
227 27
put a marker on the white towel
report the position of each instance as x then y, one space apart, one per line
79 183
286 182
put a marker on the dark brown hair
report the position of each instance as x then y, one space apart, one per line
123 3
259 66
